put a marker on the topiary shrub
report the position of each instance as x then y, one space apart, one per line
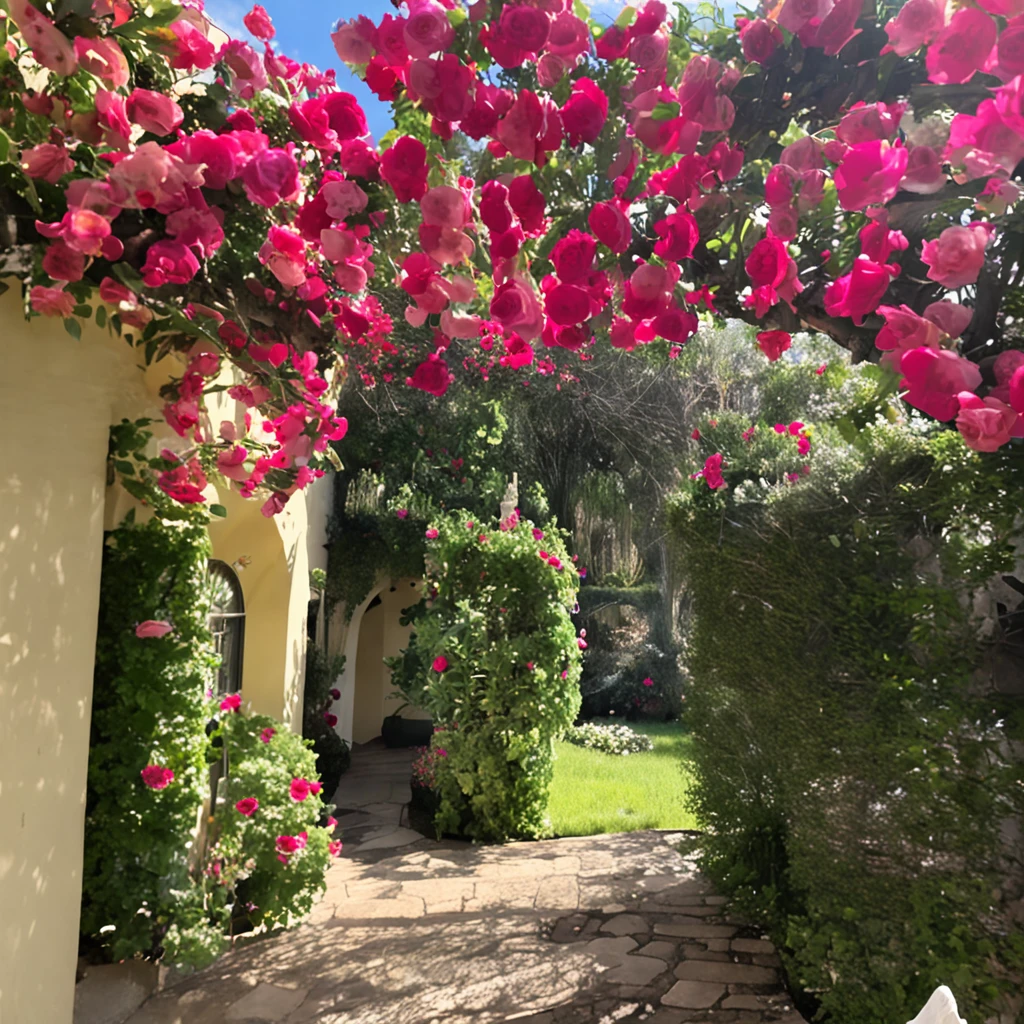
496 661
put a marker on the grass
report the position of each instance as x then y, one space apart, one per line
593 793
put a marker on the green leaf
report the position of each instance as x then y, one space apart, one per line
626 18
218 510
5 146
665 111
74 328
83 310
101 316
123 466
128 276
833 540
456 17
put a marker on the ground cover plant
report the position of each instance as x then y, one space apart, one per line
593 792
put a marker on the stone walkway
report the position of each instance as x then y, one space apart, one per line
411 931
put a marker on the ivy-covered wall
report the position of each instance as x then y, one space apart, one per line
853 765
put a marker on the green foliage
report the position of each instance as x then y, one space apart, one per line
500 616
243 858
148 708
850 777
333 757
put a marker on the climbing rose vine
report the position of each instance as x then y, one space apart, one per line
846 167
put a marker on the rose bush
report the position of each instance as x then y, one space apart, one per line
250 221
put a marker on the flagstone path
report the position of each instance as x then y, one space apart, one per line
606 929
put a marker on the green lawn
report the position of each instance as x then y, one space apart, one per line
593 792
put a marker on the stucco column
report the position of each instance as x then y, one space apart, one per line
57 397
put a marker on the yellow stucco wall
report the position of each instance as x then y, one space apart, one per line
58 398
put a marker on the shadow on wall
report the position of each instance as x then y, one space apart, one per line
59 397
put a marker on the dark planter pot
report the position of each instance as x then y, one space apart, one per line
396 731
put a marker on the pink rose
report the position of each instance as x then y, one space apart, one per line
985 424
347 118
299 790
48 44
768 262
153 628
870 174
712 471
267 735
678 236
774 343
258 22
523 28
859 292
527 202
169 263
191 49
515 306
918 22
432 376
612 227
518 353
956 257
404 168
52 301
271 177
154 112
232 702
63 263
760 39
157 777
355 45
247 806
101 56
47 161
573 257
440 663
567 304
950 317
933 379
585 112
569 36
445 207
904 330
961 48
531 127
427 29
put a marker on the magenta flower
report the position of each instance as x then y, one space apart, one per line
268 734
232 702
299 790
330 718
538 534
648 681
402 513
334 847
440 663
335 693
157 777
247 807
153 628
431 534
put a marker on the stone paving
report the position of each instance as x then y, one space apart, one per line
411 931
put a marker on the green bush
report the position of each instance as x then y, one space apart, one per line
498 617
243 862
333 757
149 708
609 739
851 777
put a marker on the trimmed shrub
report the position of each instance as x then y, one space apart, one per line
495 660
851 770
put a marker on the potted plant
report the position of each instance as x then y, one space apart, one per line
397 731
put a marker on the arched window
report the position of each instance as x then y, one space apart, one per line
227 623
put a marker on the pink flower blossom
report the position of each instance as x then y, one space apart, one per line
440 663
299 790
48 44
432 376
157 777
610 224
334 847
258 22
153 111
585 112
870 174
774 343
52 301
648 681
247 807
431 533
918 23
268 734
986 424
47 161
404 167
712 471
232 702
962 47
956 257
934 378
271 177
169 263
153 628
858 293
